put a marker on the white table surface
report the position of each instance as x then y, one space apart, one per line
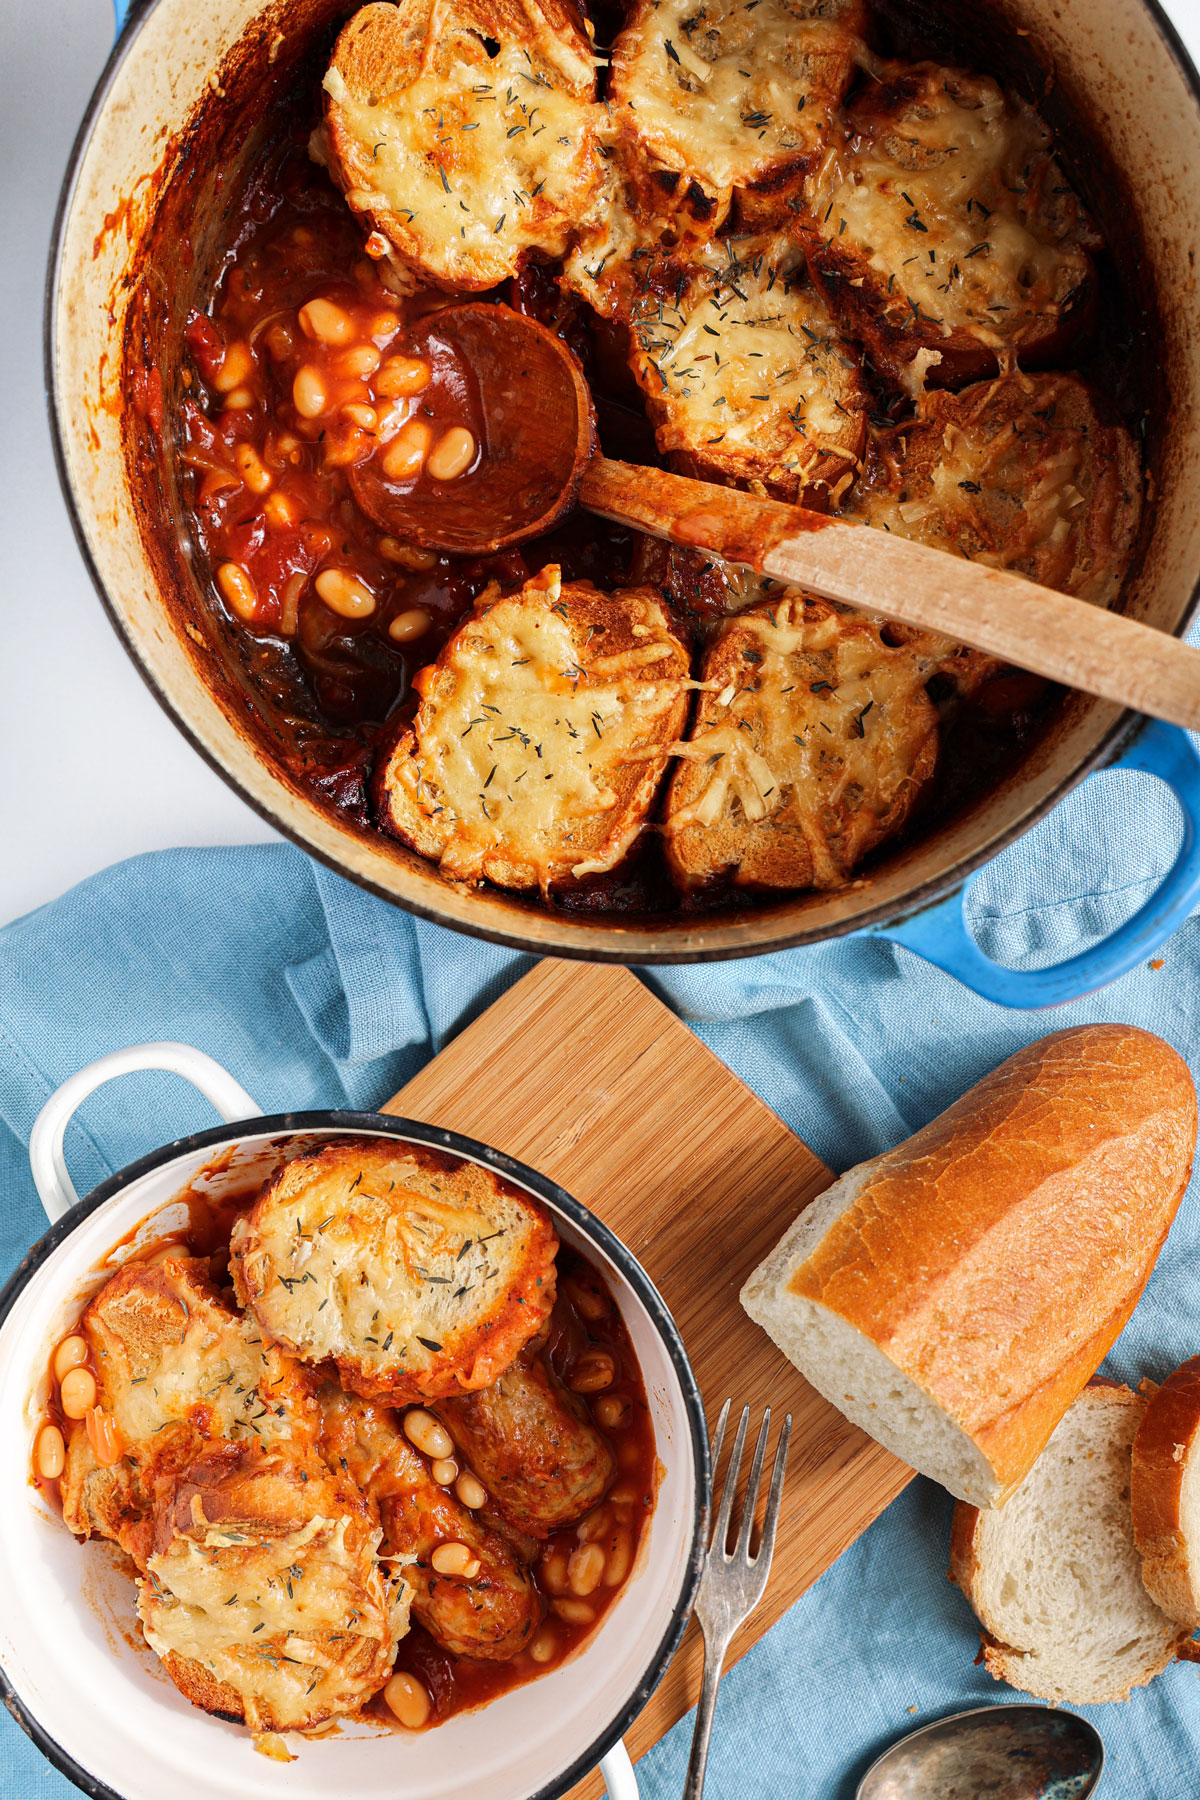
93 770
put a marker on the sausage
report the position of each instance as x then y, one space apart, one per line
491 1616
533 1446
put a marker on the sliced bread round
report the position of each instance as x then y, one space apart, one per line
1166 1494
417 1273
1054 1574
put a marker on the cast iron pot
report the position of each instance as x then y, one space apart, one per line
72 1670
178 114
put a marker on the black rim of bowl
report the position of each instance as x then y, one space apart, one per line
559 1200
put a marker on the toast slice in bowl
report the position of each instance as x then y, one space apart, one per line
745 374
464 132
418 1274
1028 472
812 741
177 1369
725 96
264 1594
943 231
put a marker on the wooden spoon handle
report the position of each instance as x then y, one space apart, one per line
1033 627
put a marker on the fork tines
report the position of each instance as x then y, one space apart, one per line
761 1560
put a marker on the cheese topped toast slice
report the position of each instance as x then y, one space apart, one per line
176 1369
734 94
745 374
943 231
264 1594
640 210
464 131
1028 472
811 743
416 1273
542 735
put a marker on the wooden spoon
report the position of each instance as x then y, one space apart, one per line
540 458
524 395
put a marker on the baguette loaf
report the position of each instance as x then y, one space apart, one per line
1166 1494
953 1296
1054 1575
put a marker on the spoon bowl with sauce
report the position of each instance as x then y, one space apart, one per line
529 412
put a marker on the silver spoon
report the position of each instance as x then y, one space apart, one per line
991 1753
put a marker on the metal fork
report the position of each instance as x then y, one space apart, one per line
733 1581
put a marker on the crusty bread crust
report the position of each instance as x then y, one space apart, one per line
1164 1453
994 1257
936 162
542 736
263 1592
745 374
418 1274
434 141
811 744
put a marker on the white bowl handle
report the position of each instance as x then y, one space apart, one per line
46 1159
618 1774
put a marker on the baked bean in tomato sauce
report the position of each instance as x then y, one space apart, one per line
300 371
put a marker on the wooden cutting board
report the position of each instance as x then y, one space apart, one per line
580 1071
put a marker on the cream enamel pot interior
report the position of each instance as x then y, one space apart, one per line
95 1702
171 128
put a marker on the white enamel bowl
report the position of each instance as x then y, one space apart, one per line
71 1667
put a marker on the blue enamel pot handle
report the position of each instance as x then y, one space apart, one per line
940 933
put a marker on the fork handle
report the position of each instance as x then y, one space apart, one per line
714 1662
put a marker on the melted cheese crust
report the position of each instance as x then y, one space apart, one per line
629 224
176 1369
294 1616
810 751
1021 473
419 1275
468 162
732 91
743 369
541 735
944 192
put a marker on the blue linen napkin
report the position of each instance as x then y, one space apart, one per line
315 994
